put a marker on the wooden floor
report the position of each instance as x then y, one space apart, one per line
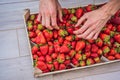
15 62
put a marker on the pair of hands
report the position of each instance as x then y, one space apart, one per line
95 20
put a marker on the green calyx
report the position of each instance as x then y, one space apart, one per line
74 18
40 27
63 33
107 38
32 17
112 33
72 10
106 50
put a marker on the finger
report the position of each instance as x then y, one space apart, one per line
82 29
81 20
47 19
96 35
39 17
60 15
43 19
54 23
90 35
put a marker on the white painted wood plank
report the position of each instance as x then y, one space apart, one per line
16 69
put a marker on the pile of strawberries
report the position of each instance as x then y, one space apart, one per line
54 50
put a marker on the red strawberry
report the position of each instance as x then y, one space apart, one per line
48 59
99 52
61 58
34 49
30 27
104 37
87 54
65 11
68 24
45 71
75 62
94 55
80 45
48 34
109 26
111 57
70 37
91 40
40 39
60 40
87 47
41 65
105 49
32 34
33 40
51 50
55 34
44 49
94 48
41 58
99 42
117 56
78 56
35 56
50 67
56 65
117 37
97 59
35 27
50 43
57 47
112 52
113 28
67 62
73 44
72 53
68 43
37 31
62 67
64 49
39 53
82 63
79 12
54 55
90 7
70 30
90 61
107 31
118 28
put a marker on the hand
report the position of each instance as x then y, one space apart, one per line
48 13
95 20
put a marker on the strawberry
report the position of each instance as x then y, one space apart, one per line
62 67
39 53
118 28
112 52
44 49
94 55
30 27
35 56
61 58
94 48
117 56
35 27
41 58
78 56
54 55
79 12
104 37
82 63
87 47
67 62
67 57
75 62
62 33
41 65
87 54
109 26
32 34
73 44
99 42
50 67
50 43
105 49
40 27
37 31
117 37
72 53
45 71
97 59
80 45
68 24
70 37
56 65
40 39
91 41
90 61
55 34
70 30
107 31
90 7
68 43
99 52
65 11
60 40
34 49
111 57
48 34
51 50
33 40
57 47
48 59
